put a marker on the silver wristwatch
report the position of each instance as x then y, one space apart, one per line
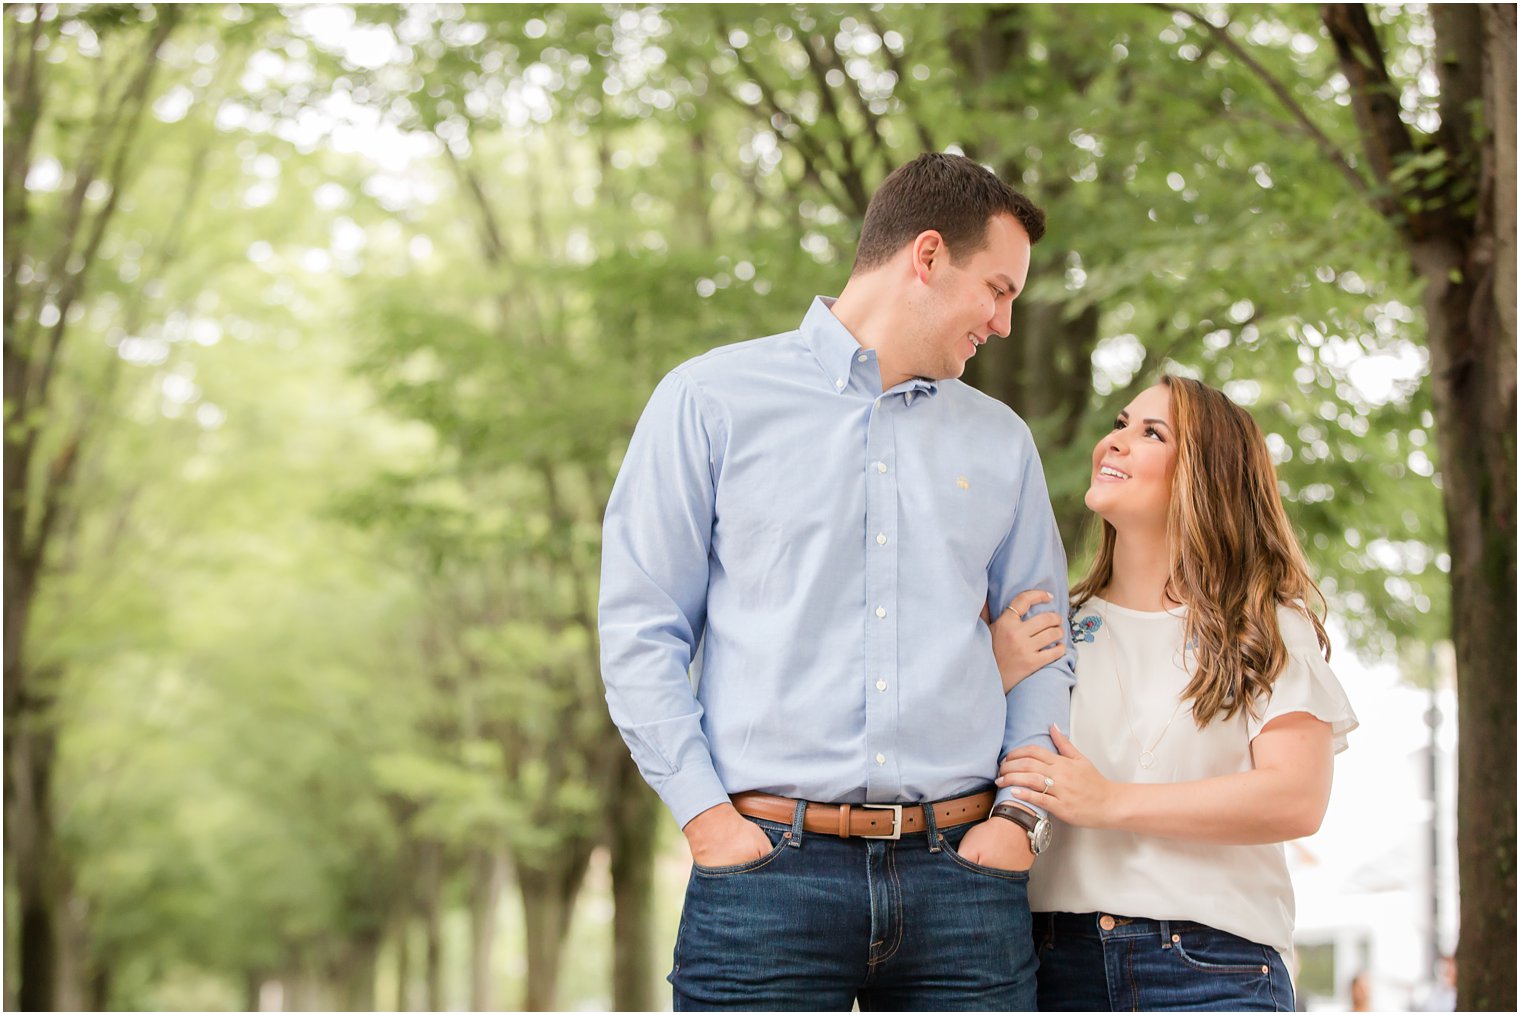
1039 828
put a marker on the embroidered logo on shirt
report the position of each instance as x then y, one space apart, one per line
960 481
1083 630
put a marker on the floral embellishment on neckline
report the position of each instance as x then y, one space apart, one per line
1084 629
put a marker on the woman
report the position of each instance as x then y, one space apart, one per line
1207 716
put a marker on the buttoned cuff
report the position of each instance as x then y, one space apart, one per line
690 791
1005 795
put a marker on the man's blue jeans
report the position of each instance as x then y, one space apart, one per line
821 922
1154 965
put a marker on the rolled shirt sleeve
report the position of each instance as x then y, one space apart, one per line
1032 557
656 538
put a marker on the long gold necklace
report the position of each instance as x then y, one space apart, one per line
1147 754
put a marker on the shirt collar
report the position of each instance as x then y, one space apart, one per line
832 344
835 348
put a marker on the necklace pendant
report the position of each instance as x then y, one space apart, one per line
1147 760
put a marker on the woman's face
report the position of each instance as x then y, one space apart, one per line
1133 464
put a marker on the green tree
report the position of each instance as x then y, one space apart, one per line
326 328
52 252
1438 170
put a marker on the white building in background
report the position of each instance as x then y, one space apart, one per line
1364 882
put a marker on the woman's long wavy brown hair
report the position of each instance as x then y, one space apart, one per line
1235 558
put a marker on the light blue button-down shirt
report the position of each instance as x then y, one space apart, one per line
830 546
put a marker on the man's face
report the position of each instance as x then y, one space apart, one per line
971 299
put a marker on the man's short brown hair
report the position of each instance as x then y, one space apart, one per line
950 194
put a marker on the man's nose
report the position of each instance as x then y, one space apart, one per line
1002 319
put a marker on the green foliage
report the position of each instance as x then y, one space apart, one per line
386 290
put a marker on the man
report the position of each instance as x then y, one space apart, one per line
825 511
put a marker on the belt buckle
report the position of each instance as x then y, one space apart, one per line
896 810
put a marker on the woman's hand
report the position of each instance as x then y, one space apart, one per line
1075 792
1023 646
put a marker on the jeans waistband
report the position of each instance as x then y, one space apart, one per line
1112 925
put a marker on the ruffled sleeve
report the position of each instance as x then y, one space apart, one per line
1306 684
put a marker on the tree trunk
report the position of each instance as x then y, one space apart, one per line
1457 222
1043 368
635 826
1043 371
33 508
548 896
1474 372
99 987
29 826
73 964
253 990
485 899
402 932
1476 478
308 991
356 974
430 892
295 994
546 914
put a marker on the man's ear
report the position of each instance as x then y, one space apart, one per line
928 249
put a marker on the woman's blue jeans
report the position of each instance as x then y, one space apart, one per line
820 923
1153 965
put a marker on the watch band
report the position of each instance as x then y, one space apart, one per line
1026 820
1037 828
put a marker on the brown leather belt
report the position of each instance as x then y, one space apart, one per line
866 821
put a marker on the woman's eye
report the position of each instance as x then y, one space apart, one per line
1119 424
1151 431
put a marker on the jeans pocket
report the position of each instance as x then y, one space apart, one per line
976 868
779 840
1215 951
1042 937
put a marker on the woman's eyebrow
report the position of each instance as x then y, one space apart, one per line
1124 414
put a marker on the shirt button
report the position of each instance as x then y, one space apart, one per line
881 685
909 398
861 358
881 611
881 759
839 383
1106 922
881 466
881 539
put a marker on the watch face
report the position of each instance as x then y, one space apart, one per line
1039 839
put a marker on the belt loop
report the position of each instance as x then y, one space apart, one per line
797 813
931 827
844 821
1166 934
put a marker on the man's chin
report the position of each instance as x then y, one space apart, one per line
949 370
